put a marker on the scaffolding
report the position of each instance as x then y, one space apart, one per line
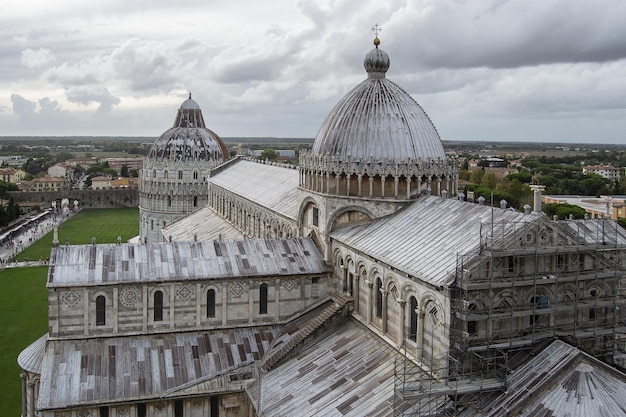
444 392
528 283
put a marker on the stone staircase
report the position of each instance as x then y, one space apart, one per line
282 348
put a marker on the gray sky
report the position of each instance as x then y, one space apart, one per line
525 70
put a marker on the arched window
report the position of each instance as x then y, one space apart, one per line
101 310
158 306
169 201
472 325
154 173
379 297
195 175
178 408
539 302
413 324
152 224
195 201
165 174
210 303
180 175
263 299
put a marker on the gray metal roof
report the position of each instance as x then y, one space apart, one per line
271 186
30 358
425 237
349 372
119 369
83 265
203 224
189 139
378 119
604 231
561 381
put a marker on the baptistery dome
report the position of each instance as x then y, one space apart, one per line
189 138
378 120
174 178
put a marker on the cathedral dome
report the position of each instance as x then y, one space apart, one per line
378 120
189 139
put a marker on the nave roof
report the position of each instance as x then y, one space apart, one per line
271 186
84 265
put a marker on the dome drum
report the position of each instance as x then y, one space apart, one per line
370 178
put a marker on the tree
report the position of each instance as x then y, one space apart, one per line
563 211
270 154
124 171
489 180
477 176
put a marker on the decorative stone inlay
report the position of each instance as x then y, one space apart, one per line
83 413
184 292
130 296
159 407
196 404
291 284
123 410
71 298
238 288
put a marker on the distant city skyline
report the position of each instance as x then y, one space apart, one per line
486 70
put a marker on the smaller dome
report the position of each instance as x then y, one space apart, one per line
190 104
189 138
376 62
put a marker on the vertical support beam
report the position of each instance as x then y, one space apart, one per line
115 318
402 304
368 305
384 324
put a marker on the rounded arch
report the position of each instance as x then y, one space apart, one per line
566 293
333 219
391 286
303 207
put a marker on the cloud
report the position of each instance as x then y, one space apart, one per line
37 58
22 106
86 95
145 65
484 33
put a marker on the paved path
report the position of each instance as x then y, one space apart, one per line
27 237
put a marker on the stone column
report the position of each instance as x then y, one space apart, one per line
371 186
276 299
368 306
408 188
356 291
420 333
384 324
402 304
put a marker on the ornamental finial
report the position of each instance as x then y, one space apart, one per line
376 29
190 95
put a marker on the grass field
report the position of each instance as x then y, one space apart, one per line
23 299
24 312
103 224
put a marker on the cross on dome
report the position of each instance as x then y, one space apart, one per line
376 29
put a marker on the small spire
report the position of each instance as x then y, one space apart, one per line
376 29
190 95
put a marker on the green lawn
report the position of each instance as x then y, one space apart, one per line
24 312
23 298
103 224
